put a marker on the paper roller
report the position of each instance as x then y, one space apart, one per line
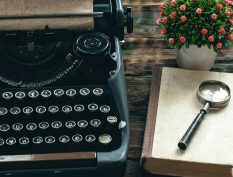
52 14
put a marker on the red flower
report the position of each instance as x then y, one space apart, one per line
230 3
182 39
183 18
227 12
219 6
214 16
172 14
159 21
161 7
219 45
230 36
163 31
165 19
173 2
231 22
182 7
204 31
226 1
171 41
221 31
211 38
161 14
199 11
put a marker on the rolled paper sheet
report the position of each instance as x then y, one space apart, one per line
77 14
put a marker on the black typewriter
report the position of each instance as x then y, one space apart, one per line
63 108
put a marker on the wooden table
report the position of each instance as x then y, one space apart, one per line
144 49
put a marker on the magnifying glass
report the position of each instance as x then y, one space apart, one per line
211 94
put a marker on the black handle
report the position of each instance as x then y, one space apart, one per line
183 143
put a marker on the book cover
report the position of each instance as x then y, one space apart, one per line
172 107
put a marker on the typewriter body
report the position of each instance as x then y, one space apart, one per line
63 108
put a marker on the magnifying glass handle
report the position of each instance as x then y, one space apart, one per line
183 143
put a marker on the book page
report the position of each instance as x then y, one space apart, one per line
177 108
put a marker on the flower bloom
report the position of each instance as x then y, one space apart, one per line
221 31
231 22
219 45
159 21
182 7
227 12
226 1
163 31
171 41
230 3
161 14
199 11
165 19
161 7
230 36
183 18
211 38
173 2
214 16
219 6
172 14
204 31
182 39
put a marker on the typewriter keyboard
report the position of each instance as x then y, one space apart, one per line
50 120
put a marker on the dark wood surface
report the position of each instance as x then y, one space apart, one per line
144 49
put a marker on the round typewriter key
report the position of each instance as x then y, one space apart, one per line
17 126
105 139
56 124
67 109
20 95
71 92
4 127
84 91
31 126
46 93
82 123
70 124
10 141
112 119
90 138
15 110
98 91
27 110
1 142
64 139
43 125
95 122
33 94
49 139
3 111
79 108
7 95
105 109
37 140
40 109
77 138
58 92
23 141
92 107
53 109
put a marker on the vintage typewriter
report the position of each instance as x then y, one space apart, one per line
63 108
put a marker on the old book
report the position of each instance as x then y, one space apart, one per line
172 107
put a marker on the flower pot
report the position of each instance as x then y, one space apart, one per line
195 58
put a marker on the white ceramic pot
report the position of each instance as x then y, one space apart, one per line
195 58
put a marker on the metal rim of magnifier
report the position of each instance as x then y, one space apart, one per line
213 104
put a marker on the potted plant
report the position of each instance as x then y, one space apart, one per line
198 29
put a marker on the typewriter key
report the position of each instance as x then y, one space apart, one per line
4 127
95 122
58 92
1 142
43 125
77 138
37 140
46 93
98 91
105 109
92 107
53 109
7 95
67 109
15 110
20 95
40 109
49 139
79 108
70 124
71 92
112 119
23 141
3 111
56 124
27 110
10 141
82 123
33 94
90 138
84 91
17 126
105 139
64 139
31 126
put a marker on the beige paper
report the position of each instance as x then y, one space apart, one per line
178 106
46 7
